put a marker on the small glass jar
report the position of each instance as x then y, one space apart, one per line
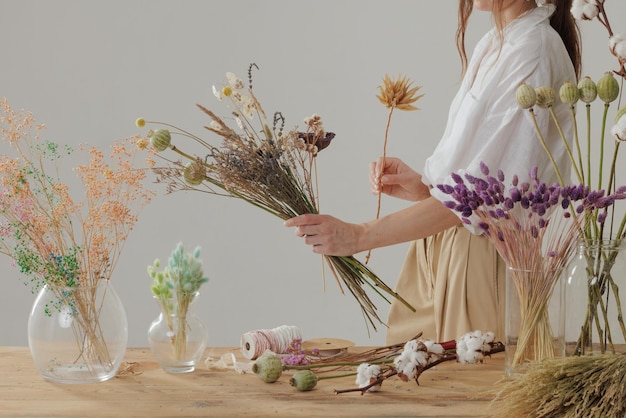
177 336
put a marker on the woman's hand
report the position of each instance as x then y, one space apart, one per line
326 234
393 177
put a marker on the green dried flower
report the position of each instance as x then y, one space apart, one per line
194 173
587 89
268 367
526 96
608 88
569 93
161 139
546 96
304 380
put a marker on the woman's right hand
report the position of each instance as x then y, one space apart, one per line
393 177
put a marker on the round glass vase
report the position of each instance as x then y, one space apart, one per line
178 337
78 334
595 285
534 318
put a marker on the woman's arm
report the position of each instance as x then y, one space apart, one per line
331 236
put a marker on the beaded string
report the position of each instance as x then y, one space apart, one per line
256 342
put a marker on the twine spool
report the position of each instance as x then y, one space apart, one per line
256 342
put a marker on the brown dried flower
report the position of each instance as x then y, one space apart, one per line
395 94
398 93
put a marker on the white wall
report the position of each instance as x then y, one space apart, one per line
89 68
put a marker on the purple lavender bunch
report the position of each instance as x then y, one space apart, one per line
488 203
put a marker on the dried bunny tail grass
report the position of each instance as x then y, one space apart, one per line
581 386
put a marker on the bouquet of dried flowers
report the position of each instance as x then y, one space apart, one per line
262 163
534 227
56 241
175 288
600 241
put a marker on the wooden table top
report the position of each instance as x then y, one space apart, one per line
145 390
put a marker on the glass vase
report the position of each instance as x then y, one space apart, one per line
178 336
78 334
534 318
595 279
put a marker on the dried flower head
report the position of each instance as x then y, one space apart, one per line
398 93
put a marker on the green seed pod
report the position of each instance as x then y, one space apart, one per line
525 96
546 96
608 88
569 93
268 367
303 380
194 173
587 89
161 139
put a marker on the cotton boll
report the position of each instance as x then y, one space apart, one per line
617 45
433 347
419 358
619 129
411 345
366 374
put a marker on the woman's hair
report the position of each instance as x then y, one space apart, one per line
562 21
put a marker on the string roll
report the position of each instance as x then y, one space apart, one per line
256 342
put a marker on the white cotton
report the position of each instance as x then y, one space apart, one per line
471 347
409 370
617 45
411 345
466 354
419 358
433 347
365 373
584 10
590 11
619 129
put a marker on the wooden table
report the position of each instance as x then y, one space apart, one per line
448 390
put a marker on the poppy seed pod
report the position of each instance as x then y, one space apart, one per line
525 96
587 89
569 93
161 139
546 96
608 88
268 367
303 380
194 173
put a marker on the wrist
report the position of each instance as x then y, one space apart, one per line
363 238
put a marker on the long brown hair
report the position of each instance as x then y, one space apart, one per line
562 21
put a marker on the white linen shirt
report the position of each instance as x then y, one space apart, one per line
486 124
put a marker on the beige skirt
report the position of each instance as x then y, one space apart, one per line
455 281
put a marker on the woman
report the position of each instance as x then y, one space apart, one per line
452 276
